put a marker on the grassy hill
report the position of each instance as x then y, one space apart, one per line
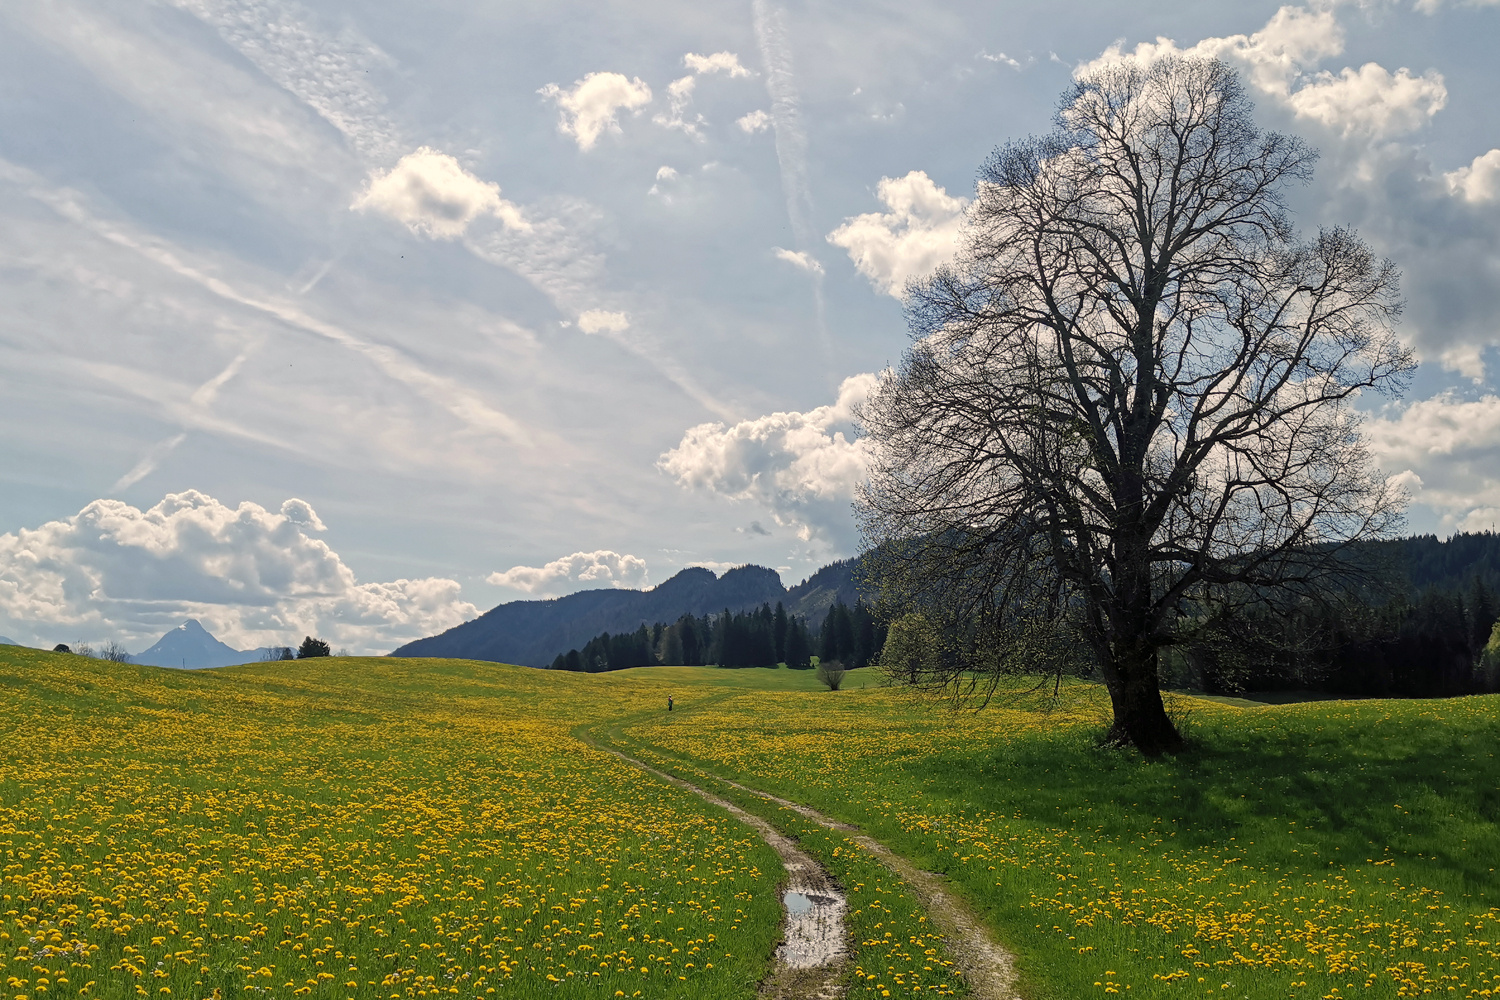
402 828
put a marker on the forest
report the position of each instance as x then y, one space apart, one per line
763 637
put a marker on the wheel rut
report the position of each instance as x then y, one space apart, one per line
987 967
813 955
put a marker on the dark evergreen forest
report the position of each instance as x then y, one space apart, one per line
1426 641
763 637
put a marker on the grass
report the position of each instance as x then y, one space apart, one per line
1313 850
354 829
407 828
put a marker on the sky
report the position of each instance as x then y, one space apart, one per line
358 319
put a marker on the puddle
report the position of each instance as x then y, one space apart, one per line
814 925
813 953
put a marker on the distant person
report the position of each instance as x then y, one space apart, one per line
669 703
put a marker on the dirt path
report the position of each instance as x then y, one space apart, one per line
814 951
987 967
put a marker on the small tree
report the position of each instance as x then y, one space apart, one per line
913 650
62 647
114 652
312 647
831 673
1127 411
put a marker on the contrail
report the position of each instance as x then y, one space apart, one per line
148 462
791 149
467 406
786 118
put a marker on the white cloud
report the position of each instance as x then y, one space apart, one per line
755 121
719 62
327 70
798 465
1000 57
581 570
600 321
253 578
590 107
919 232
1479 181
680 95
799 259
1371 100
1279 60
680 91
432 194
1448 451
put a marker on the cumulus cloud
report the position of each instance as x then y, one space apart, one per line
1371 100
800 466
719 62
432 194
1446 451
799 259
600 321
581 570
680 91
755 121
919 232
679 96
1279 60
1479 181
591 106
253 577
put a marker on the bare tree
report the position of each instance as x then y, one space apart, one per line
831 673
113 652
1125 418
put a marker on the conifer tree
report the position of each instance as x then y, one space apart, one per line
780 633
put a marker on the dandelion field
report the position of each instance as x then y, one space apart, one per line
1328 850
353 829
382 828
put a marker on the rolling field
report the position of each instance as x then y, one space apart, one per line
1324 850
361 829
409 828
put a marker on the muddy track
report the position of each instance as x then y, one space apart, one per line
813 956
987 967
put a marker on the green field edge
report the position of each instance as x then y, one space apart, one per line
849 863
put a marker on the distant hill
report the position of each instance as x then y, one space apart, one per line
532 633
191 646
4 641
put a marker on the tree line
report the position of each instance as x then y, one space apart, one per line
762 637
1439 642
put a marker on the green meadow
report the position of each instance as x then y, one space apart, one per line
362 828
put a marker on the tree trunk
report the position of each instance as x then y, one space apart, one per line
1141 719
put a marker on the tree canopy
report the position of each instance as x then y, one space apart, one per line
1126 417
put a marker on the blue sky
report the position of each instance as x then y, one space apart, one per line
358 319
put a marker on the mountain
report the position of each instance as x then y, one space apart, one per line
534 632
190 645
8 642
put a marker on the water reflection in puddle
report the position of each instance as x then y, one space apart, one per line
814 930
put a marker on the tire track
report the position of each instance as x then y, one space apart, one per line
813 955
987 966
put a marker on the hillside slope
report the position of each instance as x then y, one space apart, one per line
532 633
